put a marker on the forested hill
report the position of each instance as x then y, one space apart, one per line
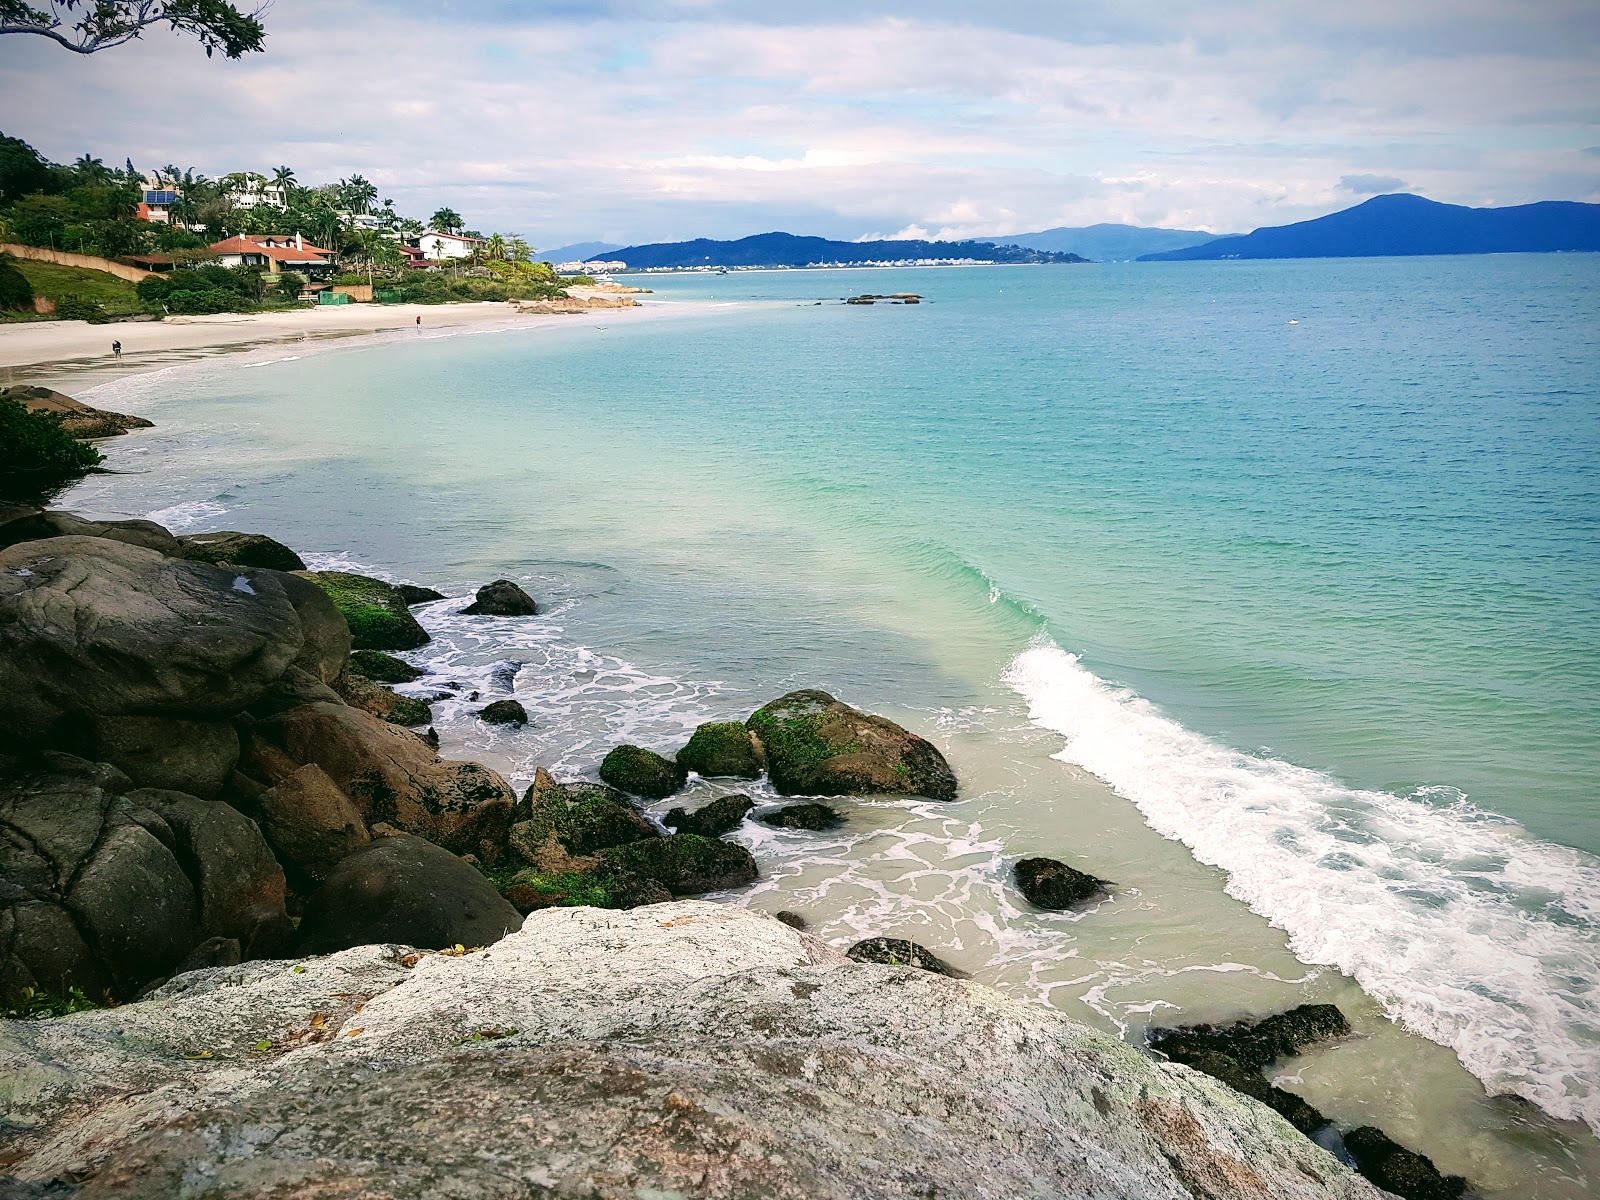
1404 224
788 250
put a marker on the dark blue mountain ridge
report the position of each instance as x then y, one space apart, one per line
789 250
1403 224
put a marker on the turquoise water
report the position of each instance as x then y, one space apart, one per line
1298 558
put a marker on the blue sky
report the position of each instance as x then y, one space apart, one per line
642 120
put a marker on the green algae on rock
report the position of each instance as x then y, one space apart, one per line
642 772
817 746
384 668
581 817
685 863
721 748
375 611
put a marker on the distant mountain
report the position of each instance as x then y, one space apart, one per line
1110 243
1405 224
787 250
578 252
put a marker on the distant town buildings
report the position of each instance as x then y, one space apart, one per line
593 267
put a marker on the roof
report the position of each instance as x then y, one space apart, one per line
257 245
454 237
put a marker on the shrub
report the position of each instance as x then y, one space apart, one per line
206 300
37 457
76 308
15 290
153 289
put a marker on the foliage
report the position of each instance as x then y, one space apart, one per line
15 290
30 1004
116 296
448 287
73 307
85 26
208 288
37 457
21 169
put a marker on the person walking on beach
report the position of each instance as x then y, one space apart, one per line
116 349
419 318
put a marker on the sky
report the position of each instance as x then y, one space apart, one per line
631 121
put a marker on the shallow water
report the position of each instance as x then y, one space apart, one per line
1317 601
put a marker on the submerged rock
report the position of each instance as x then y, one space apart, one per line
722 815
504 712
1049 884
383 668
405 890
642 772
502 598
897 952
239 550
721 748
413 593
685 863
686 1049
1391 1166
375 611
582 818
816 746
814 817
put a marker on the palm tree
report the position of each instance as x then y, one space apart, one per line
518 250
446 220
358 194
495 248
283 179
92 169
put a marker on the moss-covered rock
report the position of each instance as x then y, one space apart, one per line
722 815
685 863
593 886
816 746
582 818
813 817
721 748
1053 885
374 610
361 692
897 952
642 772
384 668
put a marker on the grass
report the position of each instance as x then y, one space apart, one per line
32 1005
117 296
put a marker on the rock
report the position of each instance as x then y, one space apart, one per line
1392 1167
582 818
392 776
688 1049
722 815
792 919
78 419
502 598
290 690
360 692
413 593
238 883
375 612
92 894
407 891
1046 883
310 823
39 524
721 748
504 712
642 772
597 887
685 863
327 637
896 952
213 952
384 668
813 817
91 627
165 752
816 746
239 550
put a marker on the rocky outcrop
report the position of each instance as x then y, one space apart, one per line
1391 1166
685 1049
383 668
897 952
814 817
816 746
685 863
503 712
406 890
77 418
360 692
721 748
502 598
375 612
581 818
231 548
164 752
720 816
25 524
641 772
309 822
1049 884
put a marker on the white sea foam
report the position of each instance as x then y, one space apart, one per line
187 515
1463 927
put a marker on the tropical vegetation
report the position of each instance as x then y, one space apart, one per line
85 26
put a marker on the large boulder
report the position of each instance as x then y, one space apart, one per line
1049 884
92 627
580 817
375 611
721 748
92 893
326 652
239 550
392 776
816 746
502 598
407 891
686 864
686 1049
641 772
32 525
309 822
165 752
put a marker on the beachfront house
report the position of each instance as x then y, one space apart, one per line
438 246
274 253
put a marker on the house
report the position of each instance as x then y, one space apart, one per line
438 246
155 204
273 253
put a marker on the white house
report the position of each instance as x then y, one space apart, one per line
439 247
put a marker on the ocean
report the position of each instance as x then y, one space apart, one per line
1268 590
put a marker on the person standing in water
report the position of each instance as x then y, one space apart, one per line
419 318
116 349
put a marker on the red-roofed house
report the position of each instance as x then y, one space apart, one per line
274 253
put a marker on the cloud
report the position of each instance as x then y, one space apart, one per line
635 121
1371 185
